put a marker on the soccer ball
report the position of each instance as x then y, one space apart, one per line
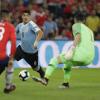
24 75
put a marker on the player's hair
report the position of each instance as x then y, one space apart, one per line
26 11
79 16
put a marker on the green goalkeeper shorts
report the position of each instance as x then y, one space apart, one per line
83 55
80 56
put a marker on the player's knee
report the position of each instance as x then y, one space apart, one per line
67 69
11 70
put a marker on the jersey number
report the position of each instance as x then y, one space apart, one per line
2 30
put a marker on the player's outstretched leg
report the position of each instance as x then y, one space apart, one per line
50 69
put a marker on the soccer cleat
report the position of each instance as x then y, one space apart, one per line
40 80
12 88
64 86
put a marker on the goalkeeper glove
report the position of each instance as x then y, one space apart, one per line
69 53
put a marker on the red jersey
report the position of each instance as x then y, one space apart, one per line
7 33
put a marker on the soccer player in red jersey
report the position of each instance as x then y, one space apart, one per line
7 33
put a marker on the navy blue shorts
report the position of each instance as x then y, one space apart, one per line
31 59
3 64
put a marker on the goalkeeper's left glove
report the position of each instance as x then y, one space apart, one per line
69 53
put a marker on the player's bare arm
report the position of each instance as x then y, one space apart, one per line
38 38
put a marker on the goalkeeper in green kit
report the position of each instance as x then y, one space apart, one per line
80 53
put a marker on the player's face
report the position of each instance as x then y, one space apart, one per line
26 17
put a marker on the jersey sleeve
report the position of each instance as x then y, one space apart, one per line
34 27
13 40
76 28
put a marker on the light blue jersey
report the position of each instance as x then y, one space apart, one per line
28 34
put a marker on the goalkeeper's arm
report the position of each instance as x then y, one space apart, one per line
70 52
77 39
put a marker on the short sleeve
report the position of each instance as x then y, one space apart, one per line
34 27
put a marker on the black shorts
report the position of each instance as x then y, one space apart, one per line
30 58
3 64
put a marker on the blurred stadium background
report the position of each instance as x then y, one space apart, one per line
58 15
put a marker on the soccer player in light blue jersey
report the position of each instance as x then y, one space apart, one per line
30 36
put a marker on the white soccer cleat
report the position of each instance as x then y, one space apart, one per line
40 80
36 79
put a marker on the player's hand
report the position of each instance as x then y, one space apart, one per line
69 53
35 44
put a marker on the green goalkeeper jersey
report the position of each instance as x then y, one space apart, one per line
85 49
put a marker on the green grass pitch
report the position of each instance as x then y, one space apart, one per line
84 85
